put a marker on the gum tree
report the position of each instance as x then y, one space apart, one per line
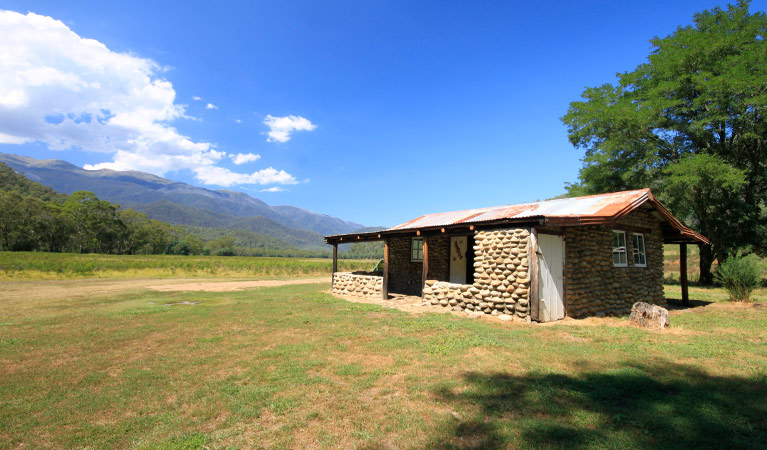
691 123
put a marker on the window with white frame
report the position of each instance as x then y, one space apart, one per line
637 250
416 249
619 249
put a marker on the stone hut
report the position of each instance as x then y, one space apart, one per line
586 256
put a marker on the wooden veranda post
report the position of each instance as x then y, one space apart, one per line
335 264
533 274
683 274
425 268
385 289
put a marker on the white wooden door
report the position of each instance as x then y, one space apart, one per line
551 256
458 246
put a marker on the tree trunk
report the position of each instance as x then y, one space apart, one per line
706 259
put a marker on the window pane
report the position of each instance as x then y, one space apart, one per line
637 250
416 249
619 248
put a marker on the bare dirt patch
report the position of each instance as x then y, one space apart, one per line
415 305
68 289
407 303
225 286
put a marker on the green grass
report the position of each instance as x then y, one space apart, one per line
293 367
42 265
710 293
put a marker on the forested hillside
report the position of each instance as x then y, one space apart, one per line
34 217
178 214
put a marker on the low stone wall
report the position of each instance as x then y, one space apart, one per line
464 297
501 280
345 283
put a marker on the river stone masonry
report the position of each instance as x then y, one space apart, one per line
501 279
594 286
357 285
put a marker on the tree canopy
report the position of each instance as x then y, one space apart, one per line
691 123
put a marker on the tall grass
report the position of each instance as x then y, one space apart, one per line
42 265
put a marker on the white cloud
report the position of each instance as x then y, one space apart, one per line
237 121
281 128
224 177
211 106
242 158
6 139
70 92
273 189
196 98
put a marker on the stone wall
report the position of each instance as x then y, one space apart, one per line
439 258
404 274
345 283
501 281
594 287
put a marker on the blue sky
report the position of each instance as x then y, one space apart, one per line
379 111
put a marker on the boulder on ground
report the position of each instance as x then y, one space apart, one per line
649 316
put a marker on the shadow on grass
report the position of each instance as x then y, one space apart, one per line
676 304
666 406
676 282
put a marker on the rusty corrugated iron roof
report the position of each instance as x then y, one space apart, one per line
593 206
588 210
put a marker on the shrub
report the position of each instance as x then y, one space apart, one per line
740 276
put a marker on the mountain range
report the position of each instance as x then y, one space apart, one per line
183 204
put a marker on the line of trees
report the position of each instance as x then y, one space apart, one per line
82 223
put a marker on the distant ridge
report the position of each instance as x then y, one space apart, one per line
183 204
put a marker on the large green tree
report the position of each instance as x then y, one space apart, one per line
691 123
97 226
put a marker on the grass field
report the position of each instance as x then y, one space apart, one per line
41 265
293 367
91 357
